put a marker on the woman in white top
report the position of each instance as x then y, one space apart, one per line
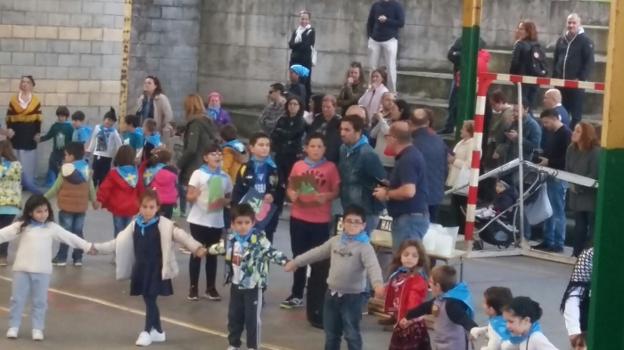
459 169
371 99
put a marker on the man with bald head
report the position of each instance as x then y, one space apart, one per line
406 192
552 100
573 60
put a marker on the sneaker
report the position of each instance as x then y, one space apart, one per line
556 249
144 339
4 261
291 303
12 333
232 348
37 334
542 246
78 262
59 262
193 294
157 336
212 294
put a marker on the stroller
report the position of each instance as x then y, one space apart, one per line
498 223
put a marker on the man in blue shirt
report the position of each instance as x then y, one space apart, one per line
385 19
406 193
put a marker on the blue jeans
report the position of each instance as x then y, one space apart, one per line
28 284
72 222
342 315
409 226
555 226
371 223
120 223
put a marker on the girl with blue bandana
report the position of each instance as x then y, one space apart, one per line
145 253
494 300
522 316
104 143
10 191
151 139
162 177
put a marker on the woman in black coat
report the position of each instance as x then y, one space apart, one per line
301 44
521 60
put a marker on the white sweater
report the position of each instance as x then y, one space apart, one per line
34 252
537 341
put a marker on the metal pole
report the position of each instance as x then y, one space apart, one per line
523 242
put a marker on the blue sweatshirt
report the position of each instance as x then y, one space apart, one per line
390 28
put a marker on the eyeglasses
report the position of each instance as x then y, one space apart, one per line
215 154
353 222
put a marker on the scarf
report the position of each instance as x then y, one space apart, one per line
213 113
499 325
299 32
129 174
150 173
312 164
147 109
139 221
153 139
82 167
105 132
460 292
361 237
258 163
361 142
35 223
535 327
399 271
81 134
235 145
243 240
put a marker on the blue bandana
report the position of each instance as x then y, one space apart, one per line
153 140
242 240
313 164
361 142
260 163
213 113
35 223
499 325
206 169
361 237
106 131
150 173
142 224
235 145
81 134
82 167
129 174
460 292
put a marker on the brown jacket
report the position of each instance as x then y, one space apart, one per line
73 198
163 115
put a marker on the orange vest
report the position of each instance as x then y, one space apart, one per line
73 198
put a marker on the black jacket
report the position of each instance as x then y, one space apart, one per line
288 135
246 178
521 58
200 132
331 130
454 53
573 59
302 51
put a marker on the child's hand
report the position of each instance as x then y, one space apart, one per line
475 332
37 138
268 198
292 194
92 250
96 205
290 266
403 323
201 252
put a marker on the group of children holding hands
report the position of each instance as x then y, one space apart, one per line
141 199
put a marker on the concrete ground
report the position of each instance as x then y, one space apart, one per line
89 309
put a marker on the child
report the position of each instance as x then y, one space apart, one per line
151 138
209 189
247 255
234 151
352 258
312 186
133 135
119 192
144 252
103 145
36 231
82 133
522 316
451 307
61 133
260 175
297 74
10 191
162 178
74 190
406 289
494 300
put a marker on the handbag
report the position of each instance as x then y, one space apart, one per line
313 55
540 209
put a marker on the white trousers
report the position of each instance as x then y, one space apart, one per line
387 49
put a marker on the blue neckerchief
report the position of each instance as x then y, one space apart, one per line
312 164
242 240
499 325
142 224
361 237
150 173
153 139
517 339
460 292
81 134
400 270
235 145
106 131
35 223
266 161
206 169
139 131
361 142
83 168
213 113
129 174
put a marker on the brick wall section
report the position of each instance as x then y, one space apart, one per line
165 41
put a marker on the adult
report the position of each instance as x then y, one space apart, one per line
573 60
327 123
576 300
286 138
554 157
435 151
406 193
582 159
23 120
521 58
154 104
502 117
371 100
353 88
459 164
315 106
552 100
360 169
274 110
398 110
385 19
200 133
301 44
531 137
214 110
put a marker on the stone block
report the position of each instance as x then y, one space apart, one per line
47 59
85 86
67 86
11 45
93 7
13 17
104 73
178 12
119 21
91 33
45 32
36 45
5 58
90 60
105 47
104 21
112 34
80 47
55 99
22 31
23 58
6 31
48 5
113 8
72 6
36 19
78 99
81 20
107 100
24 5
58 46
110 86
57 72
69 60
69 33
79 73
46 85
111 61
60 19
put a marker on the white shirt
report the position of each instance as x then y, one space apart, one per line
537 341
104 150
572 312
23 102
199 214
34 252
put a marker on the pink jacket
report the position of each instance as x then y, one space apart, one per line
164 183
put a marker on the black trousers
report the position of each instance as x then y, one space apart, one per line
572 100
583 230
457 203
152 314
5 220
244 314
207 236
303 237
101 166
166 210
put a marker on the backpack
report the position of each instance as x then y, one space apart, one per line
537 66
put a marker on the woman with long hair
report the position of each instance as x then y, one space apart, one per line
353 88
154 104
371 100
521 59
301 44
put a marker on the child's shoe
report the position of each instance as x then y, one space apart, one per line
12 333
37 334
157 336
144 339
193 294
232 348
212 294
59 262
291 303
78 262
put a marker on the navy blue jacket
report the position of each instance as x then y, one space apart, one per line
573 59
390 28
435 152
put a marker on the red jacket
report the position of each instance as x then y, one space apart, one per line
405 292
117 196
